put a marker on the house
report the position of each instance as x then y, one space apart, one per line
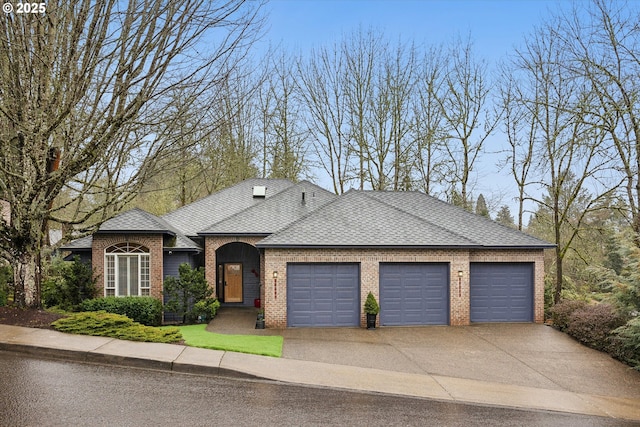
311 256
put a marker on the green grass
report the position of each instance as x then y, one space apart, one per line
197 336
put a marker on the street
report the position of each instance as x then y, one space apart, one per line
57 393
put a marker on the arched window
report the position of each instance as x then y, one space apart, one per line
126 270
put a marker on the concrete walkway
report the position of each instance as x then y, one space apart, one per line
512 365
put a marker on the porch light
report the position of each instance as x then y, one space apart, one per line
460 273
275 274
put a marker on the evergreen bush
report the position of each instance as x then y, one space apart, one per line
184 292
626 343
371 305
145 310
68 284
103 324
6 276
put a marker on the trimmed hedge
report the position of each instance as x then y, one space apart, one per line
103 324
592 325
145 310
561 313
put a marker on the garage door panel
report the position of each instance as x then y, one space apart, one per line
501 292
414 294
331 295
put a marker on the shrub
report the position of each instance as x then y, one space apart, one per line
103 324
68 284
626 343
371 305
561 312
205 310
185 291
592 325
145 310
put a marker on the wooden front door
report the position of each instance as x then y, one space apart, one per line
233 282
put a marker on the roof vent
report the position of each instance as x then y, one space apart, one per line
259 191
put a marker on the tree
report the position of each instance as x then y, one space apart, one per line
481 206
185 291
504 217
463 99
85 106
604 54
322 81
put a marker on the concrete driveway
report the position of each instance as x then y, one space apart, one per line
529 355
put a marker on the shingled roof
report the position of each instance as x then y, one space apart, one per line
274 213
397 219
202 214
137 221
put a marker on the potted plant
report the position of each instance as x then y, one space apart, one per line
260 319
371 309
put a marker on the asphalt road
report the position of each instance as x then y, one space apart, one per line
54 393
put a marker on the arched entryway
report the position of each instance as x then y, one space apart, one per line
238 274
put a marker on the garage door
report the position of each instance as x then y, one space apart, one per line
501 292
323 295
414 294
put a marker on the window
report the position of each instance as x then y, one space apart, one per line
127 270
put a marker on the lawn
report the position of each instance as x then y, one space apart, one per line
197 336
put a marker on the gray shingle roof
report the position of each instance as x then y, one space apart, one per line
202 214
396 219
274 213
136 221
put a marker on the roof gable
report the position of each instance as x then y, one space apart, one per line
275 213
136 221
202 214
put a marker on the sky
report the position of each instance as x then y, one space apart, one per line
495 27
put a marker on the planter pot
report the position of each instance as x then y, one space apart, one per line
371 321
260 324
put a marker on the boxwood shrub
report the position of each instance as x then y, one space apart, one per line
145 310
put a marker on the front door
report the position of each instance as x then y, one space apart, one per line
233 282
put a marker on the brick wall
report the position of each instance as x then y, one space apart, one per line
212 244
153 242
275 291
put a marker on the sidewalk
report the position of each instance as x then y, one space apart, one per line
177 358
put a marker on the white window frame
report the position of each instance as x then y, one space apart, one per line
119 257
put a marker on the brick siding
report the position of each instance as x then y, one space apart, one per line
153 242
274 292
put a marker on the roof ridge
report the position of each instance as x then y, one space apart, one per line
272 199
416 216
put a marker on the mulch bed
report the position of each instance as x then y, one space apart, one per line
27 317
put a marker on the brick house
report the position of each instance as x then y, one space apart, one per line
311 256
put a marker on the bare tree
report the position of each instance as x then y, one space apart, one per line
603 44
83 105
569 151
285 138
464 100
322 81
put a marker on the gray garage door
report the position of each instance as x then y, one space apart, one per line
414 294
501 292
323 295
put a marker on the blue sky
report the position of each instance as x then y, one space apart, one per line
495 27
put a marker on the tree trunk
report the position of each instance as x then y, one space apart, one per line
27 278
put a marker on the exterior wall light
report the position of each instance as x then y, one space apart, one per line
460 273
275 274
